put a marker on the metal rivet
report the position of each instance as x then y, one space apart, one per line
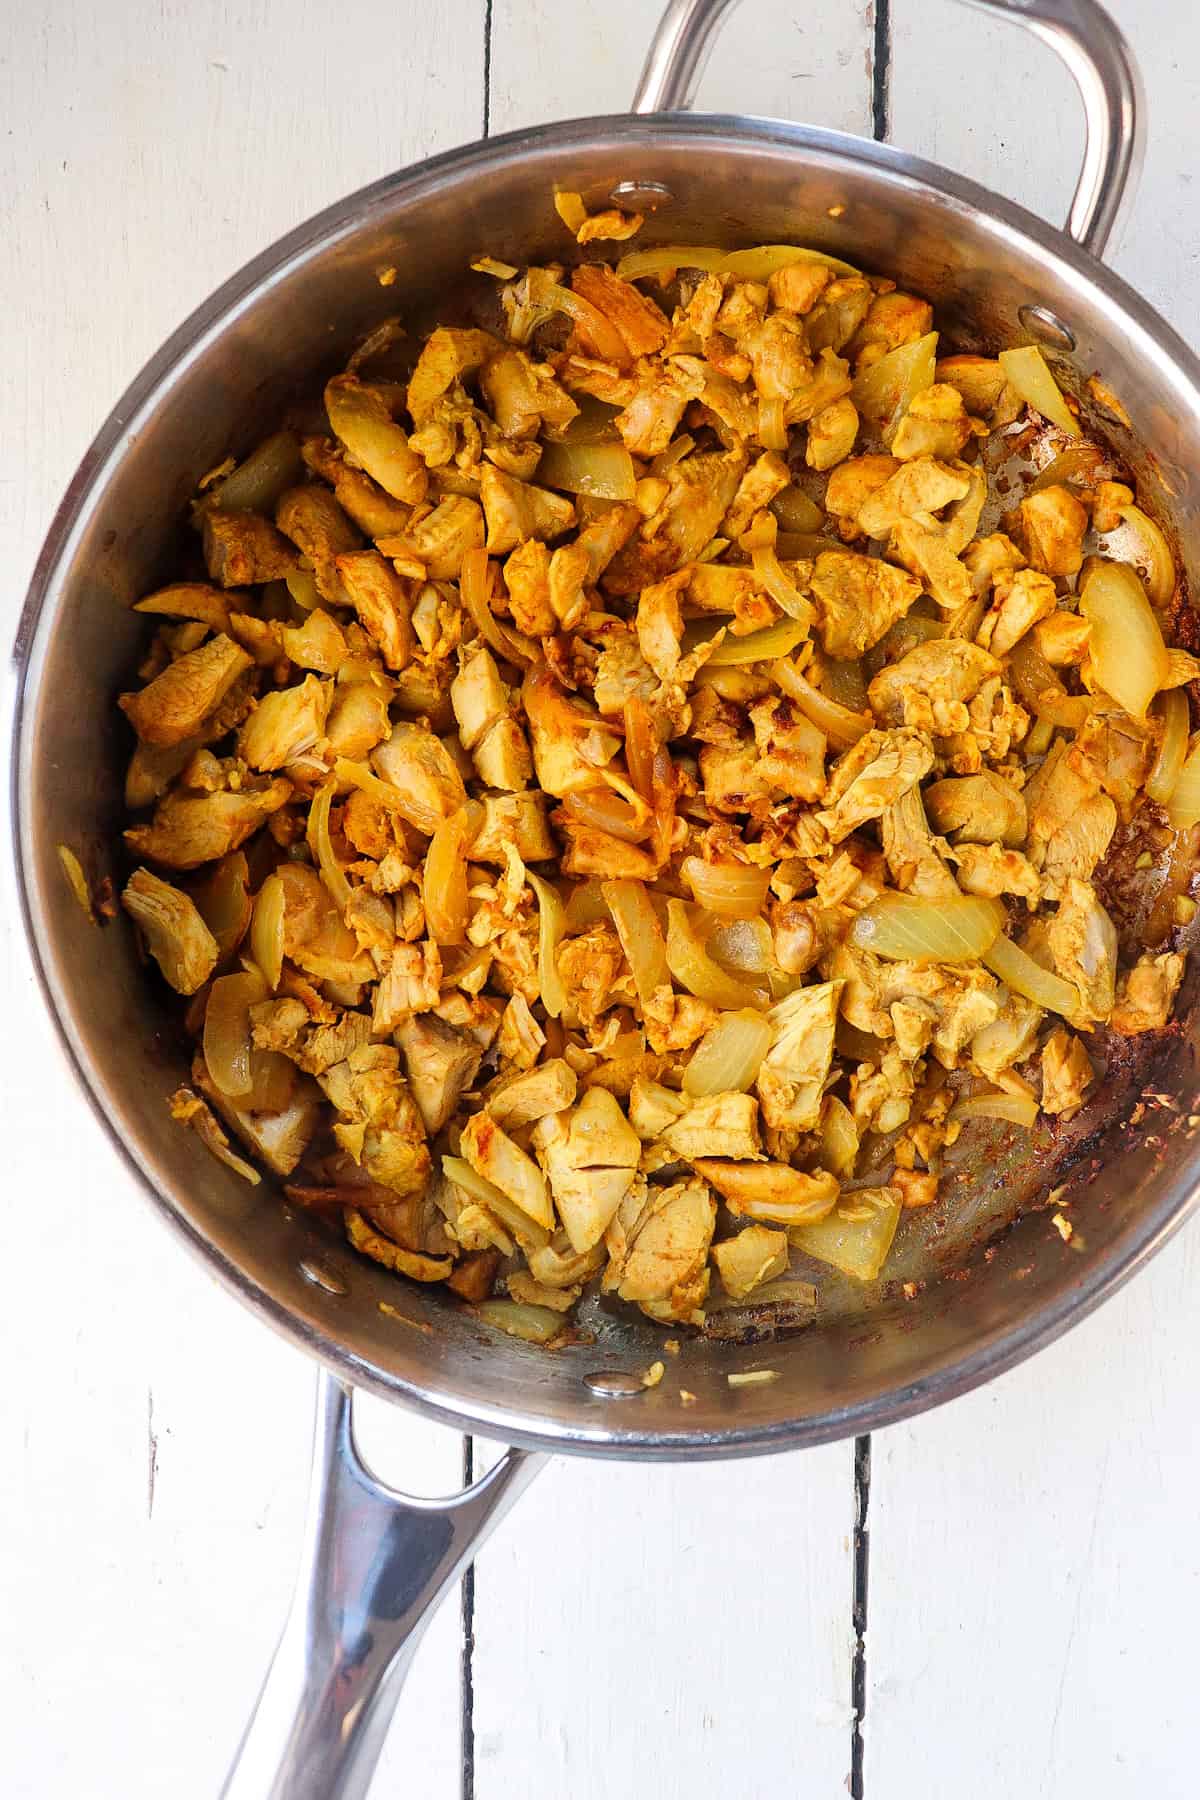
642 196
321 1277
1047 327
612 1384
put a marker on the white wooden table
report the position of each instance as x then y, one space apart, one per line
658 1632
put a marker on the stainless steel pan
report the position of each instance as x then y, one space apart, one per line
375 1563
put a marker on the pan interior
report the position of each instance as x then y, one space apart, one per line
984 1289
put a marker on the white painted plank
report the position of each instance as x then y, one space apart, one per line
986 99
1032 1576
669 1631
559 61
145 161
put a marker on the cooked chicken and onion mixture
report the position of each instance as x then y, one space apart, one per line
625 789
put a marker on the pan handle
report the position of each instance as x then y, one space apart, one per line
1081 31
374 1566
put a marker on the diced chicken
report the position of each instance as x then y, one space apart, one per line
660 624
370 506
523 395
791 758
320 530
674 1021
730 777
380 1126
718 1125
930 557
320 643
701 490
642 325
915 858
988 869
936 424
522 1099
518 819
1052 529
852 484
988 557
241 548
358 719
1117 750
189 600
411 984
486 726
447 355
881 767
779 356
279 1139
858 600
1147 993
1008 1038
440 539
593 852
569 744
420 767
527 582
915 490
285 724
493 1154
665 1270
755 1255
983 385
382 1249
831 434
792 1076
175 705
1078 845
1082 940
771 1189
176 936
765 478
1019 599
1063 639
650 418
440 1062
516 510
929 688
590 1157
1067 1073
652 1108
892 319
797 287
383 602
475 1014
521 1039
190 829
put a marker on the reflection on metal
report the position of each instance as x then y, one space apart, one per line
1047 327
613 1384
322 1277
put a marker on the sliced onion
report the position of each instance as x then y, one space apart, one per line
266 930
796 512
641 935
772 426
841 726
1181 867
1079 463
267 473
839 1138
1029 373
1183 808
1040 688
907 927
731 890
1173 710
592 424
884 392
780 586
535 1324
227 1045
1017 1109
856 1236
842 679
606 811
757 264
1040 737
741 946
1128 655
1018 971
675 452
320 845
728 1056
764 260
476 584
550 933
586 906
302 586
605 471
223 902
606 340
757 646
514 1217
1155 554
692 966
444 886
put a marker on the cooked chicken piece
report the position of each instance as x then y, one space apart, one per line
915 490
1074 850
881 767
729 588
702 487
320 530
1147 993
358 719
1052 530
1058 797
448 354
795 1069
660 624
930 686
569 745
858 599
421 769
590 1156
1063 639
241 547
516 510
189 600
983 385
524 1098
1082 940
475 1014
964 998
730 777
523 395
988 557
881 1095
175 705
831 434
521 1039
492 1154
439 540
518 819
930 557
642 324
936 424
893 319
791 758
277 1025
665 1271
768 1190
1117 749
765 478
320 643
486 728
285 724
410 985
370 506
1019 599
590 966
383 1249
176 936
799 286
755 1255
1067 1073
852 484
674 1021
653 1108
556 1265
1008 1039
527 582
650 418
718 1125
593 852
382 600
915 858
190 829
989 869
279 1139
440 1062
779 355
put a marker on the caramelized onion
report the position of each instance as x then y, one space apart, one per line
731 890
907 927
1128 655
444 886
728 1056
841 726
1017 1109
550 934
1175 714
606 811
1029 373
640 934
266 930
694 969
1018 971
